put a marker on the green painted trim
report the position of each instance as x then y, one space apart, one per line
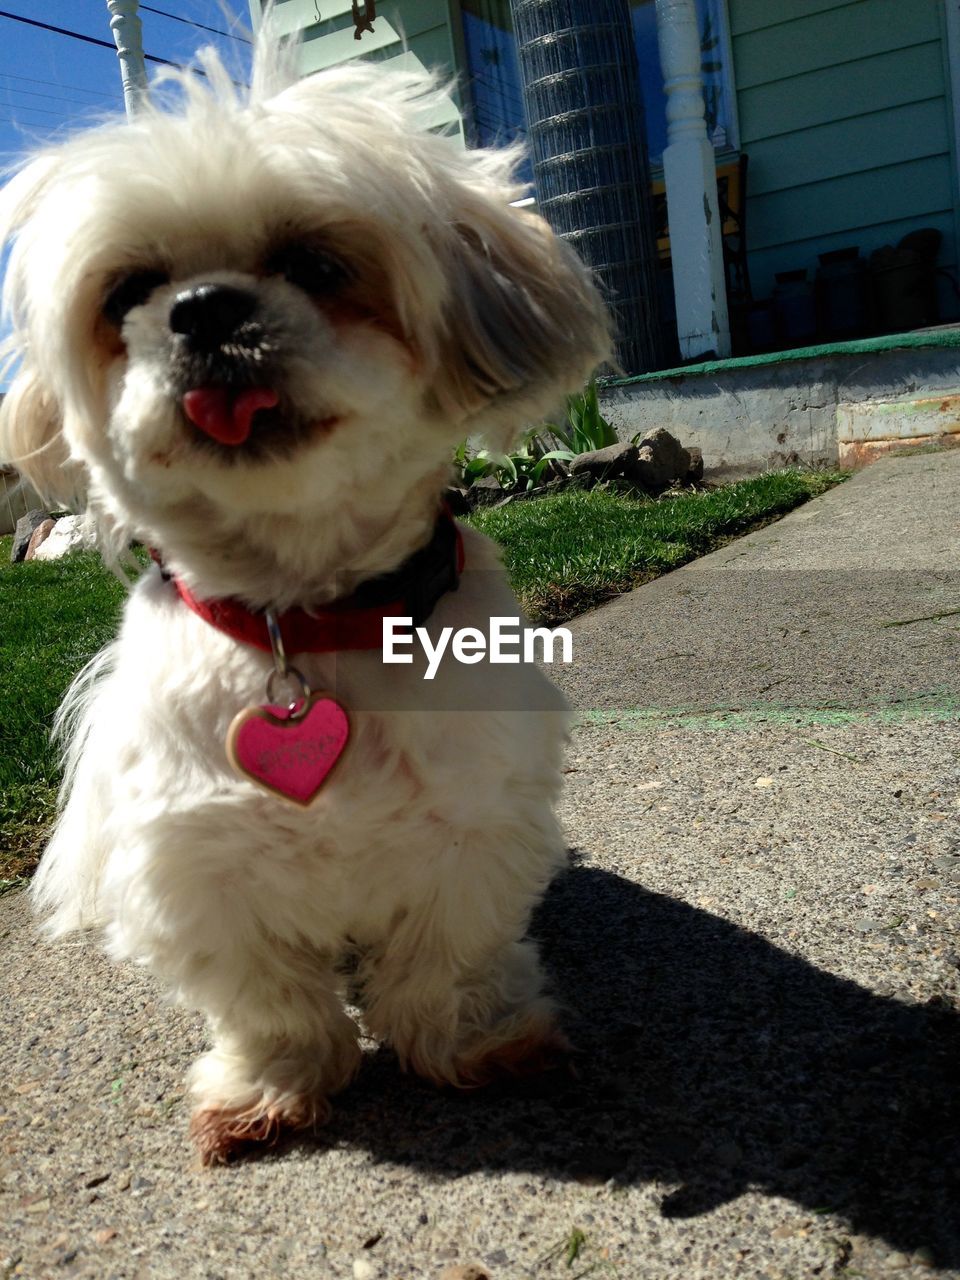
937 706
944 338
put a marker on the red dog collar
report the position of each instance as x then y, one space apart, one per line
355 622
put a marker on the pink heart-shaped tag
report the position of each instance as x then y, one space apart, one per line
290 754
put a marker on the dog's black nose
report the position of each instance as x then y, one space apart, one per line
211 314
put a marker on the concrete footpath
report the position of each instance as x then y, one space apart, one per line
756 942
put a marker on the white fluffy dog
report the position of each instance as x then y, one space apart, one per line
249 333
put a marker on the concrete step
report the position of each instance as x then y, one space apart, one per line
844 403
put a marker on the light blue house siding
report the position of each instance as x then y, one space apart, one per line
845 111
844 107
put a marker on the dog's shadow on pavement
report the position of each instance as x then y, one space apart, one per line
712 1062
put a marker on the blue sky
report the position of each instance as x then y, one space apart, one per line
51 84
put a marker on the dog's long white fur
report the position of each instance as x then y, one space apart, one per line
429 847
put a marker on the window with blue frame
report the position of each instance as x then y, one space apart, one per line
493 73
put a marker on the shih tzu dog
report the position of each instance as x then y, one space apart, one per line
249 330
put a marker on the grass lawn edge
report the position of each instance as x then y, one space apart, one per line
573 551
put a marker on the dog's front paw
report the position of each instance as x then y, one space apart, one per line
221 1133
250 1099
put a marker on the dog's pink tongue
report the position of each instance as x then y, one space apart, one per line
226 415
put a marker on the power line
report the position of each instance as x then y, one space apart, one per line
97 93
77 35
52 97
190 23
40 111
19 122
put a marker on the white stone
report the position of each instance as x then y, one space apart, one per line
66 536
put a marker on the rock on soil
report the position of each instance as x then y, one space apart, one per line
24 532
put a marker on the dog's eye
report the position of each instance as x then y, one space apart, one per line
310 269
132 291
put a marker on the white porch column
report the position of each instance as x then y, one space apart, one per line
696 247
128 36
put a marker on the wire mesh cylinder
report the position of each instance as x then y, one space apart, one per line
585 125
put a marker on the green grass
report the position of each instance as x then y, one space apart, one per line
570 551
56 615
565 553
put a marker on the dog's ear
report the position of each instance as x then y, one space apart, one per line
31 440
525 323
